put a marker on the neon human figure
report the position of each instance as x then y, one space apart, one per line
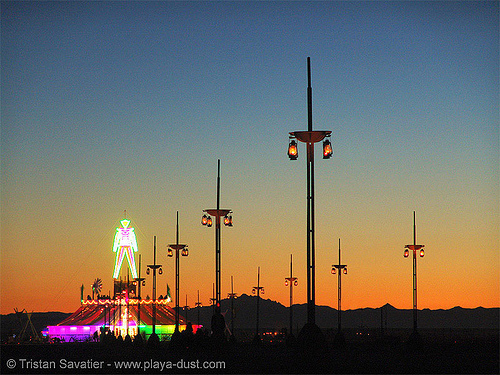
125 244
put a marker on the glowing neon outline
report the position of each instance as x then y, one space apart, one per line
125 240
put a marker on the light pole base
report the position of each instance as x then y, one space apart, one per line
153 341
415 341
311 339
339 341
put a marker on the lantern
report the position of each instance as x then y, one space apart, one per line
293 152
327 149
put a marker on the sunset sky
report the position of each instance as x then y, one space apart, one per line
113 106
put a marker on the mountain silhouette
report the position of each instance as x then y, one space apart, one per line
275 316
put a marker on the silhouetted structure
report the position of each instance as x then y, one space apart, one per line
310 137
185 252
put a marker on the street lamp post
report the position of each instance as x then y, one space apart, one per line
232 296
154 267
186 308
342 268
217 213
310 137
257 289
213 299
198 305
185 252
414 248
139 281
292 281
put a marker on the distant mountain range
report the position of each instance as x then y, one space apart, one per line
275 316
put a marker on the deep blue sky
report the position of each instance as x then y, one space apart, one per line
108 106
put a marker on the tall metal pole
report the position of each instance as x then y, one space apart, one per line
414 274
232 296
311 287
339 296
257 289
198 305
177 275
217 241
154 288
186 307
177 247
310 137
341 268
293 282
258 299
291 296
414 248
139 281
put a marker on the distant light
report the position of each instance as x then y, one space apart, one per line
333 271
170 253
345 271
296 283
407 253
286 282
421 253
204 220
209 221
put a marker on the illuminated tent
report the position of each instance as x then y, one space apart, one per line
112 315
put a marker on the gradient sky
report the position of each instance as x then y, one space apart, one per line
113 106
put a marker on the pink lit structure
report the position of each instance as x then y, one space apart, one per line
120 314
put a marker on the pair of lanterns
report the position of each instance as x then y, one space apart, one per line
184 252
293 152
160 271
334 270
295 283
207 220
407 253
254 290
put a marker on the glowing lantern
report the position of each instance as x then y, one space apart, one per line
204 220
185 252
253 291
327 149
407 253
160 271
226 220
421 253
286 283
170 253
345 271
296 283
209 221
293 152
333 271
